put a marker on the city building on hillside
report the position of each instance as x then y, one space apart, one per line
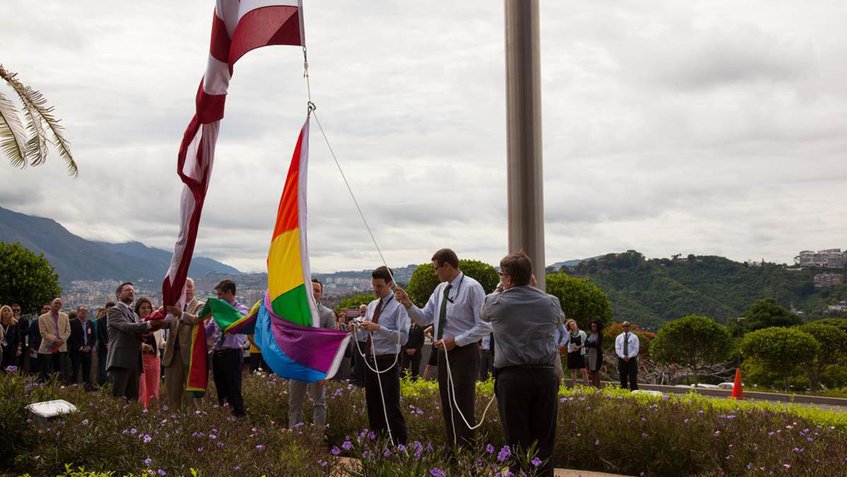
841 307
826 280
830 258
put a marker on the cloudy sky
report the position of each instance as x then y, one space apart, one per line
705 127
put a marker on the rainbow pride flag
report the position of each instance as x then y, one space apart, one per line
285 323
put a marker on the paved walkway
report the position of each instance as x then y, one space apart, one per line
581 473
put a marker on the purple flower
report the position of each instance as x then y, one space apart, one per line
323 463
11 369
133 431
436 472
504 454
386 453
596 442
401 448
347 445
260 447
536 462
85 422
148 461
335 450
489 448
212 436
161 472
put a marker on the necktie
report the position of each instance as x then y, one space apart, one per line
626 344
442 313
375 319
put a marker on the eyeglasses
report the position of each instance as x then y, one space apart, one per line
503 274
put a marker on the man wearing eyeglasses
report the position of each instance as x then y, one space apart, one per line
525 319
626 347
453 309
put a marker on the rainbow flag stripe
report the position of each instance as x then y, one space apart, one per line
285 323
288 257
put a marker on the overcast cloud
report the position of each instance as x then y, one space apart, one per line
705 127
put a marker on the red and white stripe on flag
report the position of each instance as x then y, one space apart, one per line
238 26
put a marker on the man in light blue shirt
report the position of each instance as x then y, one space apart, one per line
453 309
387 325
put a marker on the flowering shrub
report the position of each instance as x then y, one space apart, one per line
601 430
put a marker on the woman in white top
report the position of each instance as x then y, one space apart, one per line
576 352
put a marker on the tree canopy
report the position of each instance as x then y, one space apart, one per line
832 350
781 349
766 313
424 280
353 301
581 300
693 341
26 278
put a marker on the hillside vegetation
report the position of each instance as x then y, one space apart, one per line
654 291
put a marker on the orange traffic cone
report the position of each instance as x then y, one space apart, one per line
737 386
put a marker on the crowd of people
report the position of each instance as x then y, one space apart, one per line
515 334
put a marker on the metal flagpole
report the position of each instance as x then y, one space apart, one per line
524 164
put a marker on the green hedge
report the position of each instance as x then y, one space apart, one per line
601 430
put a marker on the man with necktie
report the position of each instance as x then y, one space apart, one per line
387 325
82 341
454 310
626 347
125 329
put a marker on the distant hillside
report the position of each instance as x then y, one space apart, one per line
651 292
75 258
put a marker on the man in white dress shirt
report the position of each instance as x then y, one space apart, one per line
453 309
626 347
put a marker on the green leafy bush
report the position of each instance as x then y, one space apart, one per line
607 430
424 280
693 341
783 349
582 300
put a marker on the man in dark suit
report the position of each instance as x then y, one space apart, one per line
83 339
125 329
102 325
411 353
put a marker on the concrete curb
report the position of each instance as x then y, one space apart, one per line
752 395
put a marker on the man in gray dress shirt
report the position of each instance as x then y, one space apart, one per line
317 390
453 309
525 320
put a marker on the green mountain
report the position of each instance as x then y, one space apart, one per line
651 292
75 258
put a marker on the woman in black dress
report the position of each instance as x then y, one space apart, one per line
576 351
594 344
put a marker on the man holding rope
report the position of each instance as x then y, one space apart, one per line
525 319
387 325
454 310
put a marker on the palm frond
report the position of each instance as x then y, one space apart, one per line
12 135
38 114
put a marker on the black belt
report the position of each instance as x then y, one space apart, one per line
521 367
